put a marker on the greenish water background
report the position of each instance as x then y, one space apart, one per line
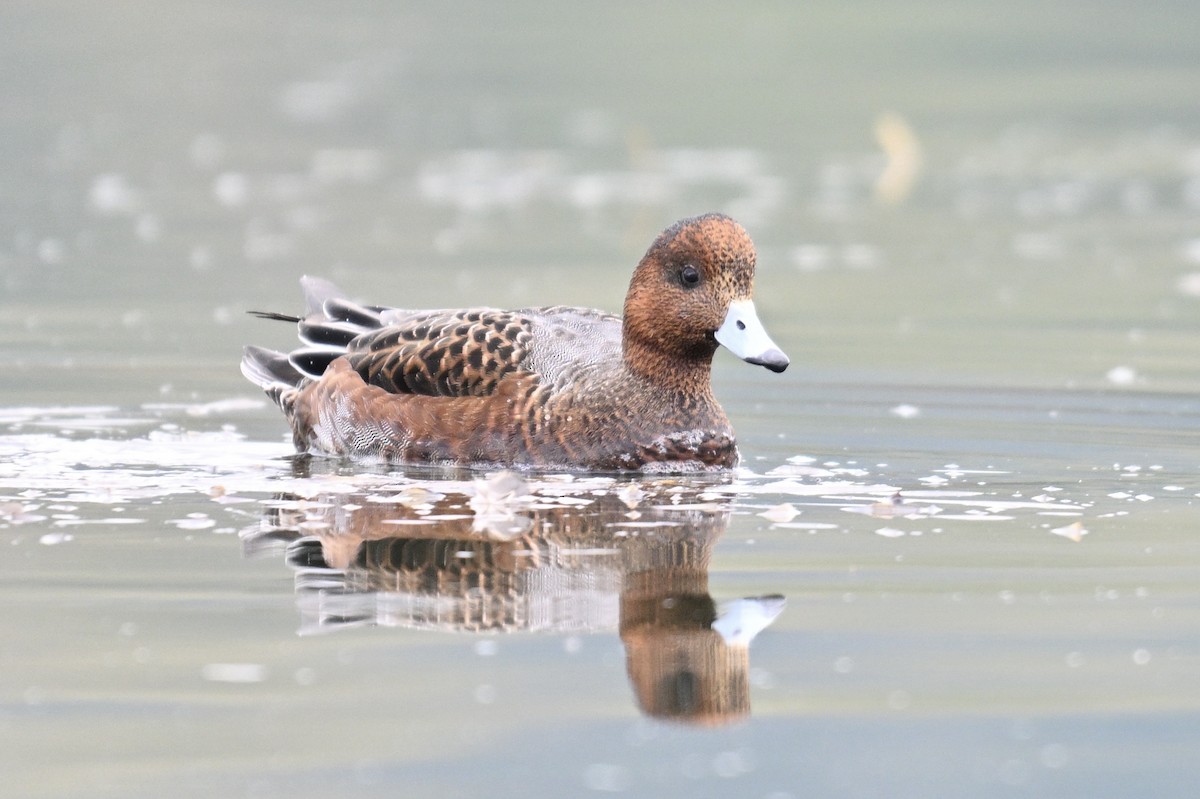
1022 319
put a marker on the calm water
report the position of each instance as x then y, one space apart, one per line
979 241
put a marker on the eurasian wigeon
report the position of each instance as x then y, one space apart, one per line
547 388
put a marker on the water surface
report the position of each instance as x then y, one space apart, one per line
964 524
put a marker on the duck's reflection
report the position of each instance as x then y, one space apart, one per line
505 555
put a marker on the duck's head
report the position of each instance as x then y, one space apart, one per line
693 290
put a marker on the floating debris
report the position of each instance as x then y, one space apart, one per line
631 495
497 501
412 497
898 506
780 513
194 521
893 507
802 470
19 513
1074 531
811 527
499 488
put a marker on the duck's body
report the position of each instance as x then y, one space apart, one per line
555 387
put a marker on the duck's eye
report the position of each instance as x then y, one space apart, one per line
690 275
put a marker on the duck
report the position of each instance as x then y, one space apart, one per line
545 388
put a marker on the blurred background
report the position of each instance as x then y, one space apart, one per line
978 228
939 191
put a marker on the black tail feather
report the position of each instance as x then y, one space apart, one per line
269 369
278 317
313 362
341 310
329 325
329 334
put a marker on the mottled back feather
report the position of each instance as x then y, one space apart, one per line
442 353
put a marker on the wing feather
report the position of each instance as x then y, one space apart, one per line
443 353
